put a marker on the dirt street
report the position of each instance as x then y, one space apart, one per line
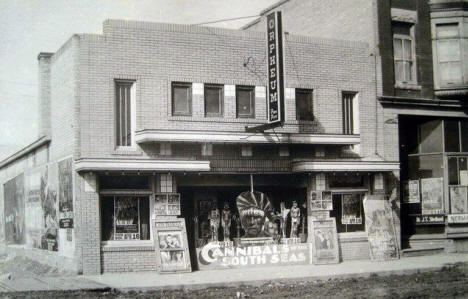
450 282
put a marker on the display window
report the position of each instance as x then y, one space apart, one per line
349 212
125 218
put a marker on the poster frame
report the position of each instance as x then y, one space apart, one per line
177 226
329 223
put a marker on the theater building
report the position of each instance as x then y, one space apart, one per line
147 122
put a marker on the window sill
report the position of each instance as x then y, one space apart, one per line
108 246
408 86
127 151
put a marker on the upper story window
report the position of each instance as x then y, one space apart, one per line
448 54
245 101
214 94
125 112
304 104
350 110
181 98
404 53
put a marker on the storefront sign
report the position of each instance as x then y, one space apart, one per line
457 218
351 209
325 241
380 228
215 256
275 68
172 246
432 196
66 223
167 204
458 199
429 219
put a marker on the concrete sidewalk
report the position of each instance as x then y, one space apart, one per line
258 276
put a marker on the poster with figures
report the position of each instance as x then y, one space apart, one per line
380 228
458 199
351 209
172 246
320 201
432 198
167 204
325 241
65 191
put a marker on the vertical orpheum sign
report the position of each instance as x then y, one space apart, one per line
275 95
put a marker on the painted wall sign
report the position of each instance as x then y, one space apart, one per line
457 218
275 68
325 241
171 245
429 219
14 210
380 228
432 201
215 255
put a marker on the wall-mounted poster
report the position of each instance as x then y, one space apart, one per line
458 199
380 229
127 220
325 241
413 192
65 190
320 201
14 210
432 201
351 209
172 246
167 204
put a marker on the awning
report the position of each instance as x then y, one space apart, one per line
336 166
242 137
140 165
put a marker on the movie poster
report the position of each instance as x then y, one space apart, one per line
413 192
458 199
49 178
351 209
432 196
380 228
14 210
65 188
127 221
167 204
320 201
325 241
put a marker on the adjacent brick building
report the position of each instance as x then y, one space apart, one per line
146 108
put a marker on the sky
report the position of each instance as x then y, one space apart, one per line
28 27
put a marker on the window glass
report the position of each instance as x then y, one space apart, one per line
447 30
452 136
431 136
213 100
245 97
347 109
464 135
428 166
181 98
403 55
125 218
448 50
349 212
304 104
123 113
453 171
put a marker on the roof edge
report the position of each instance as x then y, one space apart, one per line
25 150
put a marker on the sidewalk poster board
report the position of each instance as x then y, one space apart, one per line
171 246
380 228
432 201
458 199
351 209
325 241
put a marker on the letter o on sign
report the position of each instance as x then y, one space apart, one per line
271 24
